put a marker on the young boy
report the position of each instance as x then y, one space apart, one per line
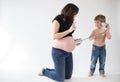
99 35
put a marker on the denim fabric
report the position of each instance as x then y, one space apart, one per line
63 63
98 53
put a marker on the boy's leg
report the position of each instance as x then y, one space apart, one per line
68 66
94 57
102 58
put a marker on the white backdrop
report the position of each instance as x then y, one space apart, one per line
26 34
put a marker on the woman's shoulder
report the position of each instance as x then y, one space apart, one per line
58 18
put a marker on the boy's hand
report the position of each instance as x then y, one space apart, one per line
108 27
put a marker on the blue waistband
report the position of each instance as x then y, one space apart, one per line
99 46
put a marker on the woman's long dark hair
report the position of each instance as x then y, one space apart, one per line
68 12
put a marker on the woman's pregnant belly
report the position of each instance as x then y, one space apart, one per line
66 44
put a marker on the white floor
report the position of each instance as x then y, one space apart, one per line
96 78
30 75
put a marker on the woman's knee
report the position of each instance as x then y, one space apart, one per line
68 77
60 77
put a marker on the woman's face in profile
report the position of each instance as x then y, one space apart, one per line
74 16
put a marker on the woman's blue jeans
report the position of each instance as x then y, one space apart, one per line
63 63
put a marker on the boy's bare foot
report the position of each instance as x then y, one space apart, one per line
102 75
90 75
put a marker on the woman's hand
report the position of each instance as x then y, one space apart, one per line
72 28
78 41
77 44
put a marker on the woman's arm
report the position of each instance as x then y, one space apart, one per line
57 34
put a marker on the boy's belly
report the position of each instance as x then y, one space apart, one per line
99 42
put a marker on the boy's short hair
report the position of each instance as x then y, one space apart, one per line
100 18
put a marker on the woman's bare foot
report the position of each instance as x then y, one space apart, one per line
41 72
90 75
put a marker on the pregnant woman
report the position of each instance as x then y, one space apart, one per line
63 28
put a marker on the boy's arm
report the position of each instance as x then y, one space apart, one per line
108 34
92 35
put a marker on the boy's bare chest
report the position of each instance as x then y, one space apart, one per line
100 34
